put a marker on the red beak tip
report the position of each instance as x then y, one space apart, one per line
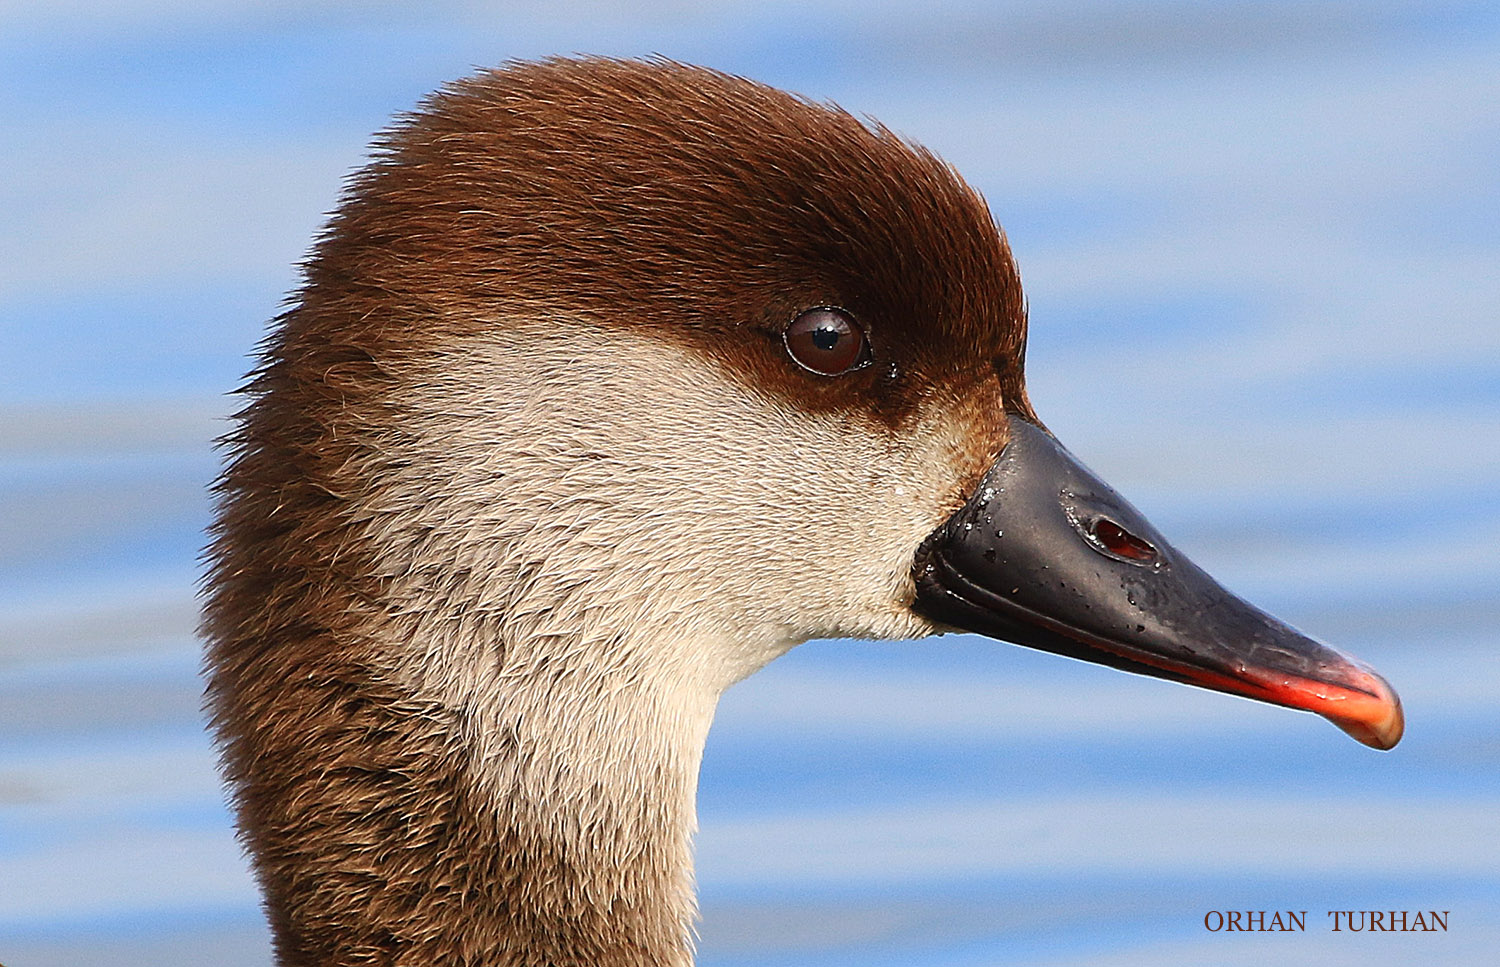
1380 727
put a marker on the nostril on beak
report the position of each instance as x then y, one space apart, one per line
1116 541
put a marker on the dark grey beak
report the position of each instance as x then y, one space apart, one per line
1047 555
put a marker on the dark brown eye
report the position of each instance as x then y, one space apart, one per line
826 341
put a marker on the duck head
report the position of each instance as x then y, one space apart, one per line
609 382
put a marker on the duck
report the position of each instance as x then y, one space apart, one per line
608 382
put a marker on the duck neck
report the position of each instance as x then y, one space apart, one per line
538 814
591 779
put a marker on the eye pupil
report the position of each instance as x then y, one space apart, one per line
827 341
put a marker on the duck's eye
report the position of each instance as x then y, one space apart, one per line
826 341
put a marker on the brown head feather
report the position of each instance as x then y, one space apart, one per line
675 197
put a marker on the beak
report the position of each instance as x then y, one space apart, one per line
1047 555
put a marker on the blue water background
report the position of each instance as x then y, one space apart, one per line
1261 243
